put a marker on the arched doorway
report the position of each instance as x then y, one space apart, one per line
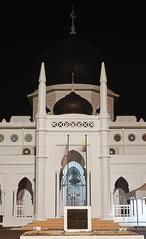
24 198
73 180
120 189
119 198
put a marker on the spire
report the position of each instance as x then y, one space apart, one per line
73 81
42 77
103 77
103 90
73 30
42 91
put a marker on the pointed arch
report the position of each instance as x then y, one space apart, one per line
72 155
120 189
122 183
24 191
73 179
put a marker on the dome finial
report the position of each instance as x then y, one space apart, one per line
73 30
73 81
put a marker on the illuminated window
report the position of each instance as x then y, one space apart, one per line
112 151
26 151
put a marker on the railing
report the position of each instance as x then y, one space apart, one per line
1 207
122 210
24 211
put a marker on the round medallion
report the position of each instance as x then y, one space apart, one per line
1 137
117 137
14 137
144 137
131 137
28 137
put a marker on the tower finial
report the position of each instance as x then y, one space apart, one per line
73 30
73 81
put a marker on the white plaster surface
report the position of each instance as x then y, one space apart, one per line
87 237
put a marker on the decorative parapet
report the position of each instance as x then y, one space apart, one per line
73 122
18 122
127 122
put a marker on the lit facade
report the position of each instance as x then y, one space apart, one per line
71 158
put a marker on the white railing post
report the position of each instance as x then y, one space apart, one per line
24 211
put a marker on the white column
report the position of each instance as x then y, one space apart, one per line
40 210
57 199
88 188
104 154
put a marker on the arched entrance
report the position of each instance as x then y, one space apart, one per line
121 188
24 198
73 180
121 204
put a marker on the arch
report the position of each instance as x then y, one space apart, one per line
24 190
73 179
120 189
72 155
74 169
122 183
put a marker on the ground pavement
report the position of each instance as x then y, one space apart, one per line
14 233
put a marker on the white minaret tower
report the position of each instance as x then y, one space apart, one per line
72 30
42 92
40 169
103 92
104 150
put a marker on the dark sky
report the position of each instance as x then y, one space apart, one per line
120 35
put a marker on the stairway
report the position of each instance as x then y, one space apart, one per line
58 224
104 225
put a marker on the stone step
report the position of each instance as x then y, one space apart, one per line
58 224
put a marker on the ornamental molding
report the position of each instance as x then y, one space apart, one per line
72 124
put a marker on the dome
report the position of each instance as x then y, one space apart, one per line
71 55
72 104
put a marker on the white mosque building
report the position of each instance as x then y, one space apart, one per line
74 152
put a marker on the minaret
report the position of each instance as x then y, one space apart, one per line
73 81
104 155
40 169
72 29
42 92
103 92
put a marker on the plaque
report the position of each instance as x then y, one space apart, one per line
77 219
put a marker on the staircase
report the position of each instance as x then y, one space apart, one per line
58 224
104 225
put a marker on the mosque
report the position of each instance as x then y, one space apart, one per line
74 151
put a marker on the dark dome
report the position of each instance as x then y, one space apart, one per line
71 55
72 104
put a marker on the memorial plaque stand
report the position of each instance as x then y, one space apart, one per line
77 218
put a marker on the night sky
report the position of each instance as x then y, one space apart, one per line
119 35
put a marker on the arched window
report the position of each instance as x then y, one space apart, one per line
25 192
121 188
